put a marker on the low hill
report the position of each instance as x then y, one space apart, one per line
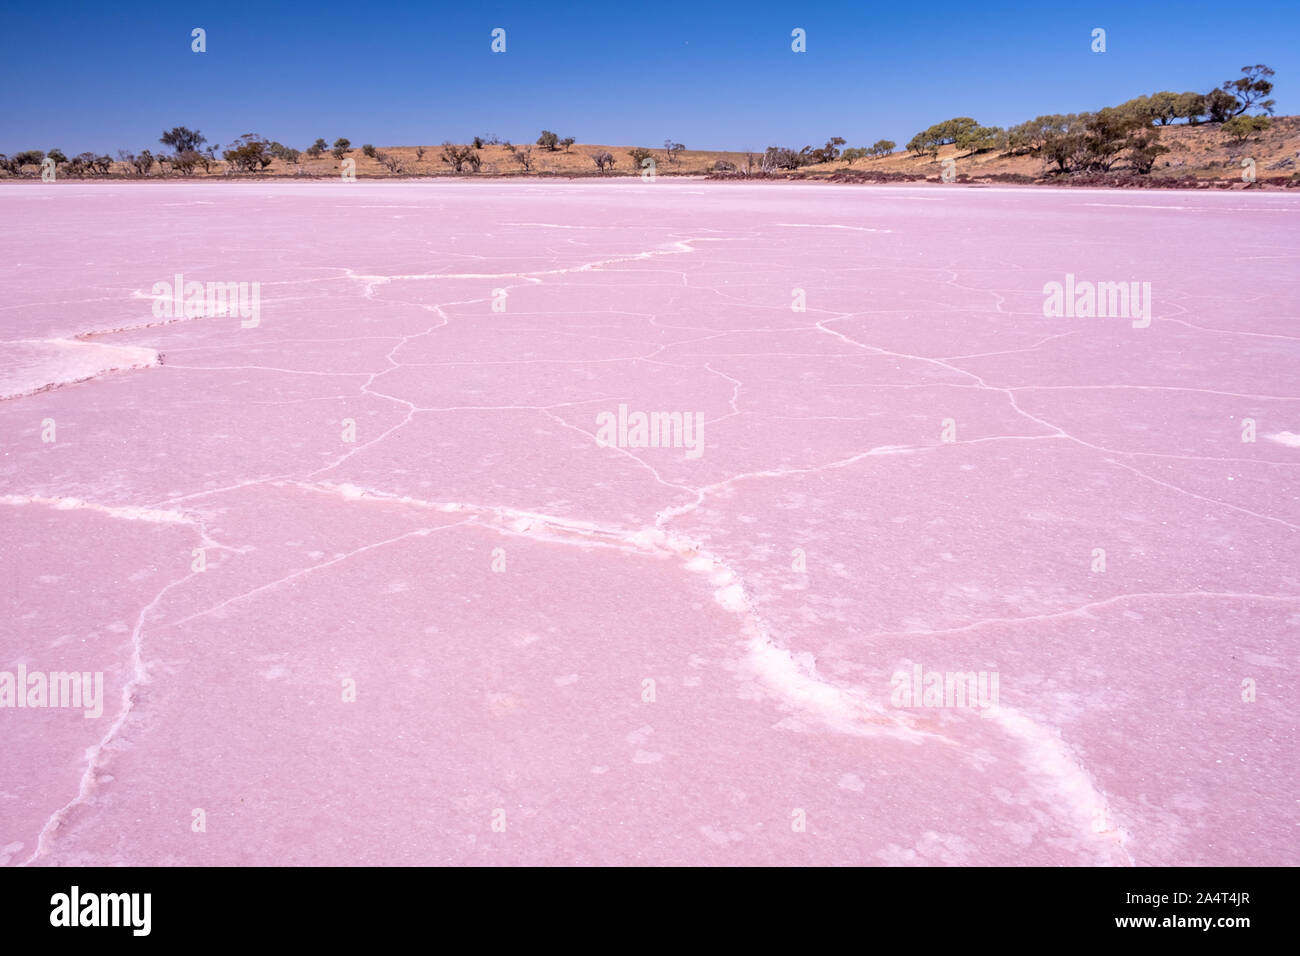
1202 151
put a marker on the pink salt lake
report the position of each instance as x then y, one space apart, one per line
474 634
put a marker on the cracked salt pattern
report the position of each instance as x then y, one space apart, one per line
1120 737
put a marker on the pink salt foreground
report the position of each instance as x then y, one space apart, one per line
475 634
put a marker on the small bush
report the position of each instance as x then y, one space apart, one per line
1240 128
248 154
284 153
639 156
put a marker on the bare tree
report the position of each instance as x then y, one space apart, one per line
458 157
184 140
389 162
524 157
453 156
141 163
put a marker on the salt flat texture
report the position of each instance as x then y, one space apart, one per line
475 634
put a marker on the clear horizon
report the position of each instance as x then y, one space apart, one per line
100 80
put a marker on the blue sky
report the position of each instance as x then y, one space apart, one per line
109 76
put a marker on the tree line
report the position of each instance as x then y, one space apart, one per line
251 153
1097 141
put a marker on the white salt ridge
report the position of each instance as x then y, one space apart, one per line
1049 758
128 512
29 366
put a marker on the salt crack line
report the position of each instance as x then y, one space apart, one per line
126 513
417 533
792 678
97 755
680 246
1058 431
824 225
1082 611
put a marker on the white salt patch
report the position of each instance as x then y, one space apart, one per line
28 366
851 781
649 539
731 597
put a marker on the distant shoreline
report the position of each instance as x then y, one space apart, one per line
1121 183
1201 156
